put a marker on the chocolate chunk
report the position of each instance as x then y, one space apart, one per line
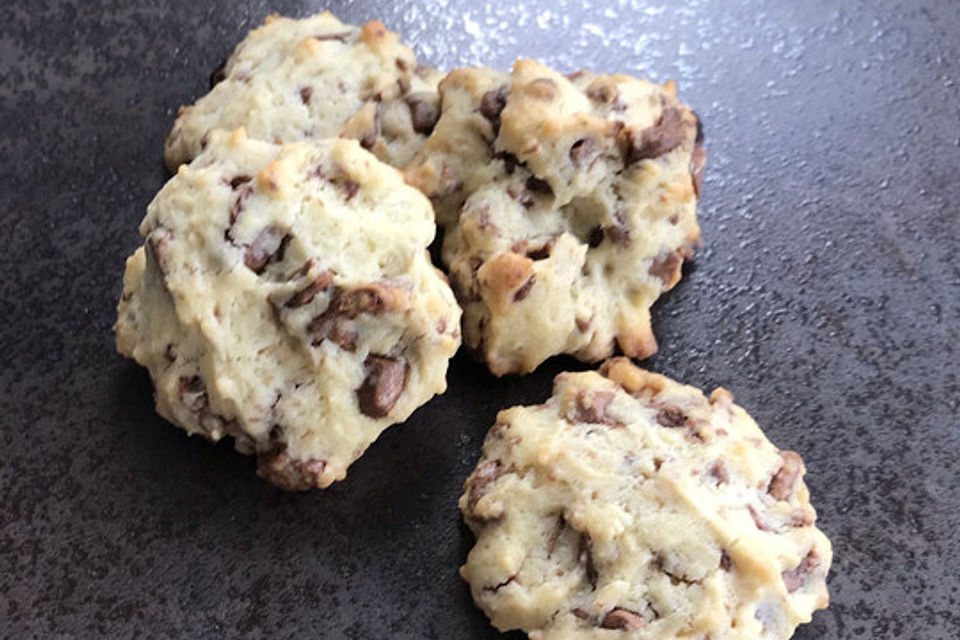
555 534
479 483
268 245
725 561
424 112
193 394
671 417
350 188
170 353
243 192
543 251
158 246
697 162
305 295
219 74
784 481
592 408
603 90
343 337
510 161
278 468
666 135
384 382
585 557
371 298
595 239
342 36
305 94
236 181
483 221
795 578
719 472
491 104
582 151
580 613
524 289
624 620
401 65
538 186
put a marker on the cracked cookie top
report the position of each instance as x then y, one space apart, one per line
569 206
631 506
313 78
284 296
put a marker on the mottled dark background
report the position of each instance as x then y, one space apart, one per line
827 297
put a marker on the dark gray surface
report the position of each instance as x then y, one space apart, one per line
827 297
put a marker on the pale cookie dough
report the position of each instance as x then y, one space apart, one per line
631 506
292 80
284 296
569 206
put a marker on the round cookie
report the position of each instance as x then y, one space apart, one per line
292 80
284 296
569 206
631 506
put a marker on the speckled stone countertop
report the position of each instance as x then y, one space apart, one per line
827 298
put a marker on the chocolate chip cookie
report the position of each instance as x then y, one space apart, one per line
569 206
284 296
316 77
629 505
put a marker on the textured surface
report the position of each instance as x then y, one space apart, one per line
628 501
827 298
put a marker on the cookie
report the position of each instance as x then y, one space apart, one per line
292 80
568 204
284 296
631 506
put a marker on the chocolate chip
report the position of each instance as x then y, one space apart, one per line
510 161
580 613
719 472
243 192
384 382
350 188
538 186
424 112
584 325
591 407
784 481
624 620
170 353
581 152
267 245
666 135
795 578
542 251
342 36
603 90
555 534
219 74
725 561
491 104
236 181
305 295
158 247
277 467
305 94
595 239
524 289
401 65
479 483
699 138
671 417
585 557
